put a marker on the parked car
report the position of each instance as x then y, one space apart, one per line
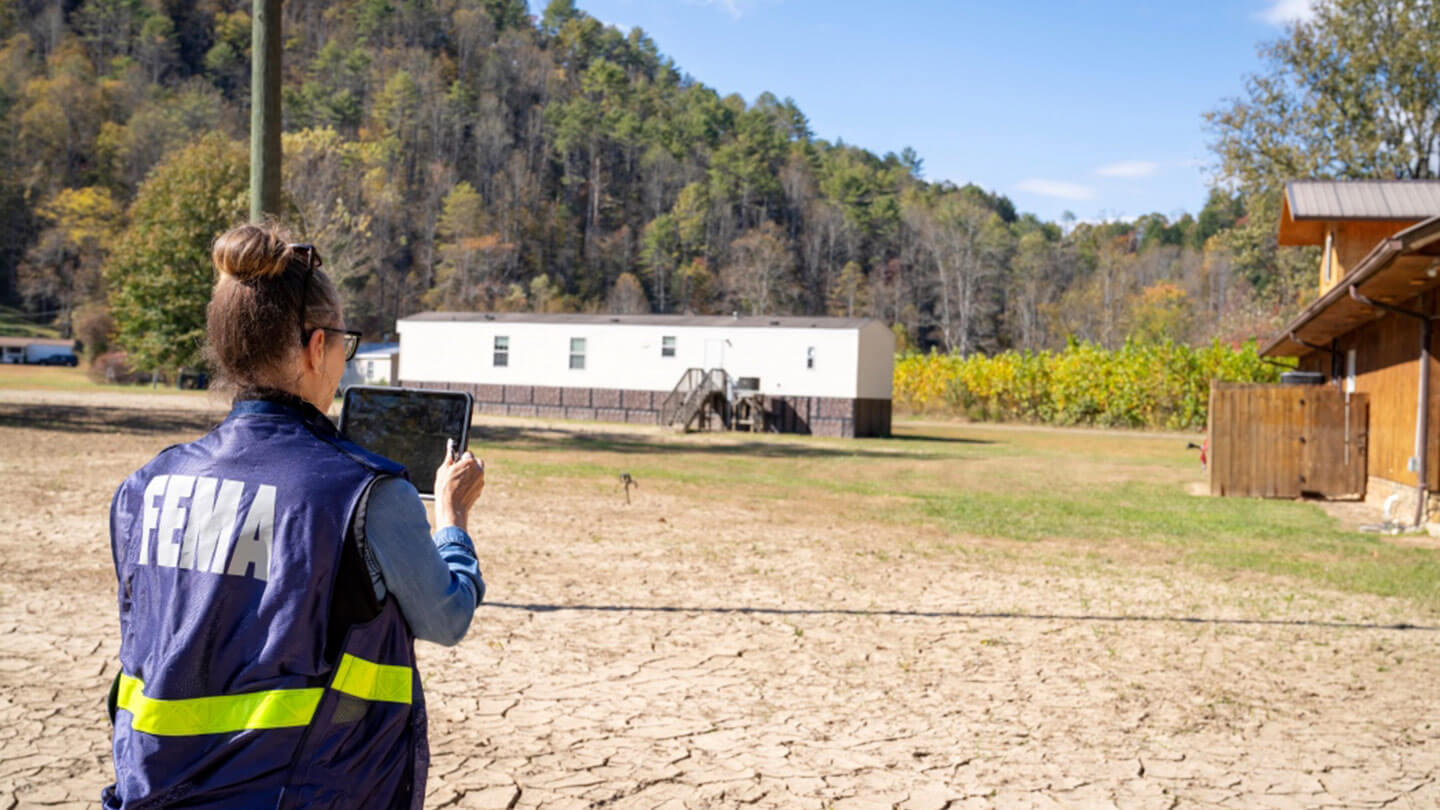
58 360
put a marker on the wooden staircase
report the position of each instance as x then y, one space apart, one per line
700 394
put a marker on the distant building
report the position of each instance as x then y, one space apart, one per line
35 350
1370 331
373 364
828 376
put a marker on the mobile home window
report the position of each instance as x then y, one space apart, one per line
810 357
502 351
667 346
577 353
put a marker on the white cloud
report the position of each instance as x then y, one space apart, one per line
1129 168
1284 12
1056 188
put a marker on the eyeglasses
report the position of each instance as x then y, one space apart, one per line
352 339
312 261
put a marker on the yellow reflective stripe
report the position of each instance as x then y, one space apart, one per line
372 681
277 708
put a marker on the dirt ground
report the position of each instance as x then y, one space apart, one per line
693 652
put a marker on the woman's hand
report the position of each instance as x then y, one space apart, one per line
458 484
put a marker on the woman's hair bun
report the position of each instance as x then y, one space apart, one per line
251 253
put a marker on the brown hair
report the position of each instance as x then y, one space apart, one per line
252 325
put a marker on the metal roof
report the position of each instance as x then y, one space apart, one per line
1363 199
770 321
376 351
34 341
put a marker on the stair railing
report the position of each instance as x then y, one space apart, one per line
674 401
694 388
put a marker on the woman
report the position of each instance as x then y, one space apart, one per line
273 576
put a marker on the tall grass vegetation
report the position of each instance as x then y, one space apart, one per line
1159 385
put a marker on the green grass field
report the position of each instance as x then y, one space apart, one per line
1072 499
49 378
53 378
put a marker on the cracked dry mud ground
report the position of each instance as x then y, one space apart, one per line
696 652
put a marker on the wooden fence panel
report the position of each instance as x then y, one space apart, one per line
1218 421
1321 454
1357 454
1285 441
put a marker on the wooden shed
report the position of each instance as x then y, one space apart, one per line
1369 331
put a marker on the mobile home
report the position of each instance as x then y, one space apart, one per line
827 376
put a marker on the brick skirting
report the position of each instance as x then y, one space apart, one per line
820 416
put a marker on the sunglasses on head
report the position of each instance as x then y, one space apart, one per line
312 260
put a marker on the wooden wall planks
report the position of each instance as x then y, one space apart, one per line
1286 441
1386 370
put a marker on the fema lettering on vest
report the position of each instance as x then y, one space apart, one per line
190 523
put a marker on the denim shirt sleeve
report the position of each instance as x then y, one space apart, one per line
435 580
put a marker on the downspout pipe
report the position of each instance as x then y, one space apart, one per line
1422 410
1422 422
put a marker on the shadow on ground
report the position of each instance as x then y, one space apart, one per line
953 614
98 419
103 419
920 437
569 440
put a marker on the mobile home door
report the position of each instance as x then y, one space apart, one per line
714 353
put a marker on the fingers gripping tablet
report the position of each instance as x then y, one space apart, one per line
407 425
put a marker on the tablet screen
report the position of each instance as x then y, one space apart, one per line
407 425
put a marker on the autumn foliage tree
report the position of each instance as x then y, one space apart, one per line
468 154
159 274
473 263
62 269
1351 92
758 278
627 296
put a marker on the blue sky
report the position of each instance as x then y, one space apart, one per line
1091 107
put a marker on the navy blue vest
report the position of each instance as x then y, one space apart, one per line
237 687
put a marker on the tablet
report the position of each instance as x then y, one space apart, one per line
407 425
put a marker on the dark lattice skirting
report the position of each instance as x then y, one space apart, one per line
820 416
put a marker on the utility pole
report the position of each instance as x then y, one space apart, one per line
265 110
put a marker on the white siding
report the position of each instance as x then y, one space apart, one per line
877 362
628 356
368 368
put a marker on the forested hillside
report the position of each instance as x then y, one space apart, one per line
471 154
